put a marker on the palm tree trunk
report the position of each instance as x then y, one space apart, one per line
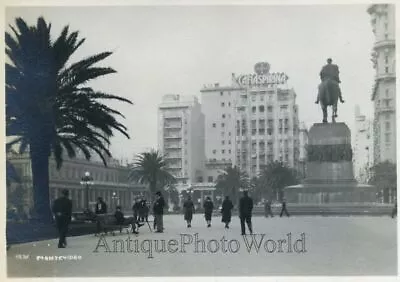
40 177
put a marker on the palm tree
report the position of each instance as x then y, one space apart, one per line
230 181
150 168
49 106
275 177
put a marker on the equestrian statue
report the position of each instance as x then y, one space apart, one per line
328 90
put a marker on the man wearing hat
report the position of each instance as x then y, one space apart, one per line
245 212
158 211
62 210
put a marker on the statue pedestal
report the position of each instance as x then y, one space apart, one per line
330 177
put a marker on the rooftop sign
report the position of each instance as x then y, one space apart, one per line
262 76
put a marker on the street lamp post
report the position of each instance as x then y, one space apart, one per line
87 180
115 199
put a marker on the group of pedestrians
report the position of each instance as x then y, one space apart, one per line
245 211
268 209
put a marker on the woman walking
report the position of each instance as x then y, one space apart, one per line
208 209
188 209
226 211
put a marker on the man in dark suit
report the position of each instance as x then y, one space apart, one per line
62 210
245 212
284 208
158 210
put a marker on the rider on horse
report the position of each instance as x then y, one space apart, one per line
330 71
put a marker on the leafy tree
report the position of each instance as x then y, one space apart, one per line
50 107
274 178
384 177
230 181
150 168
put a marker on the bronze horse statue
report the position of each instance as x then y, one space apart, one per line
328 94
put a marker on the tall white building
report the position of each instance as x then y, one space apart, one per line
362 146
252 122
181 136
384 90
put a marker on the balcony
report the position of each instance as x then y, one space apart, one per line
383 109
386 76
385 43
173 146
174 166
172 136
172 156
172 125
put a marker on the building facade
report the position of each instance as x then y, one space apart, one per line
252 122
181 137
111 182
363 157
303 141
384 90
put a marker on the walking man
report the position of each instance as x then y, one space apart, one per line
245 212
226 211
208 209
394 211
62 210
188 209
284 209
158 210
268 208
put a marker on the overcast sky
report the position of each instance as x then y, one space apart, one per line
177 49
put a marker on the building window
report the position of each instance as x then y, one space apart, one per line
222 104
229 104
223 151
254 109
386 36
210 179
223 115
200 179
214 125
386 59
387 126
387 92
222 93
387 137
229 142
223 142
222 133
386 26
229 134
214 152
253 97
386 69
261 109
230 151
269 109
223 124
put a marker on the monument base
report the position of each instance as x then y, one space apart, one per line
325 193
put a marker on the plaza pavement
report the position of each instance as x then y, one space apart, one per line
333 246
